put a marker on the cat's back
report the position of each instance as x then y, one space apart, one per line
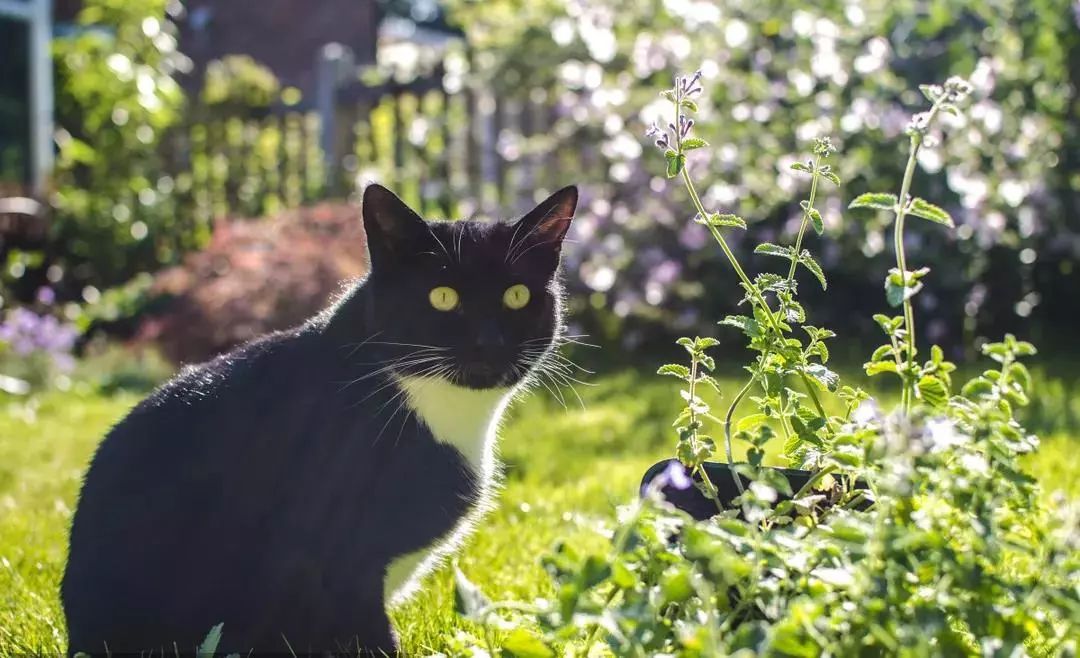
204 404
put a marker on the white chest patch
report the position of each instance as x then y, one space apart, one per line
467 420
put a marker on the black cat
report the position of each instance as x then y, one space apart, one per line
292 487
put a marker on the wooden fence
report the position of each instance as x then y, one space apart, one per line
446 154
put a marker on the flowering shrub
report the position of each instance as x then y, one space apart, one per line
943 548
253 277
35 346
779 75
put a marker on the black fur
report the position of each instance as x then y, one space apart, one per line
270 488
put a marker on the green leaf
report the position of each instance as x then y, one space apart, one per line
817 221
922 208
675 163
469 601
691 143
881 353
828 379
523 643
831 177
770 249
748 325
747 423
676 584
801 166
721 219
878 367
978 387
898 289
689 105
808 261
674 370
595 571
932 391
876 200
210 642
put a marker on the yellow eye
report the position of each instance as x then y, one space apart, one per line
444 298
516 296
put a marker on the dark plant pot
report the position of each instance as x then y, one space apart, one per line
694 503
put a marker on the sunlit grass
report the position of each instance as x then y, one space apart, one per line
566 470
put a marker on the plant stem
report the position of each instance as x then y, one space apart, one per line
814 479
805 221
727 431
750 287
901 260
710 489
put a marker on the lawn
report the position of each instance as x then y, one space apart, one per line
566 470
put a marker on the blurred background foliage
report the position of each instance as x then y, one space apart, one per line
777 74
154 172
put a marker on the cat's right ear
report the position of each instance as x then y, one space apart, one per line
391 226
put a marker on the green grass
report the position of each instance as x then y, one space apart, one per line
566 470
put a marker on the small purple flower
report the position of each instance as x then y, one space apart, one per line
675 476
687 85
663 141
28 332
46 295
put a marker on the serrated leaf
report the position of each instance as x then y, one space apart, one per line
828 379
883 352
817 221
770 249
691 143
675 163
210 642
522 643
808 261
704 343
896 293
932 391
749 326
926 210
674 370
689 104
977 387
831 177
876 200
721 219
879 367
753 421
801 166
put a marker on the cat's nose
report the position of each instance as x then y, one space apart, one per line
488 338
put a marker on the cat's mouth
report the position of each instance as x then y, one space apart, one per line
482 375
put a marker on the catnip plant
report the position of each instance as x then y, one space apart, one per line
947 550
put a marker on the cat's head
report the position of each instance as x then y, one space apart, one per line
477 303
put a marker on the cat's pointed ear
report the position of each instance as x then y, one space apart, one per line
389 223
548 222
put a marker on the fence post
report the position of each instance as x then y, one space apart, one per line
335 63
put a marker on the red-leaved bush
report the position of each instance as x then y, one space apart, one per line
255 276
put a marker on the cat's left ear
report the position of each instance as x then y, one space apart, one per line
547 223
